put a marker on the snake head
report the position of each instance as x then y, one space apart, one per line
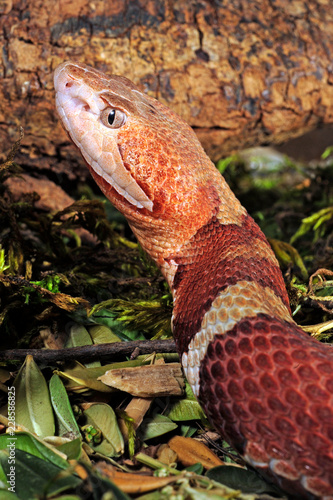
143 156
145 159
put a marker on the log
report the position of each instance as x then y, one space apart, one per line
240 73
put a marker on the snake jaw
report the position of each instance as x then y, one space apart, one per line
80 109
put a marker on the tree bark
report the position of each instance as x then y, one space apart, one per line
240 73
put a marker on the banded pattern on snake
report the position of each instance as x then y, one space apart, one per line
265 385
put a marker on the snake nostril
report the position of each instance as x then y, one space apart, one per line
69 84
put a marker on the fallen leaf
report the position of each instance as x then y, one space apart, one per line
135 483
65 419
102 417
135 410
191 451
103 335
33 408
166 455
147 381
155 426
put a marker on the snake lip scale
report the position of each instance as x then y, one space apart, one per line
265 385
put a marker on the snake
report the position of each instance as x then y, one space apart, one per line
265 385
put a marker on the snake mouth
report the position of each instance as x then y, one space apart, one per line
80 105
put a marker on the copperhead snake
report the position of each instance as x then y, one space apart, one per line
265 385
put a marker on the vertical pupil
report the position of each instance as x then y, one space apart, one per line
111 116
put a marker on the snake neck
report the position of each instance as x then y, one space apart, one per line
222 274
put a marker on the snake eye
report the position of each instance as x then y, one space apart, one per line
113 118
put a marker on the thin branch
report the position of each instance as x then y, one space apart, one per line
91 352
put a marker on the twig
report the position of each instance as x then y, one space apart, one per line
92 352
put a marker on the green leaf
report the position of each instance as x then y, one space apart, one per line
72 449
68 497
316 222
196 468
206 494
34 476
27 442
79 336
187 430
187 408
80 378
3 479
109 319
33 408
156 426
50 282
287 254
223 164
7 495
328 151
87 377
154 495
151 316
102 417
65 419
3 264
241 479
101 334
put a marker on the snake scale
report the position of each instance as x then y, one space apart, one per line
265 385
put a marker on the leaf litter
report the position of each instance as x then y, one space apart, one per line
74 276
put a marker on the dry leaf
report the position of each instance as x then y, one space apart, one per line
134 483
166 455
53 339
191 451
136 409
147 381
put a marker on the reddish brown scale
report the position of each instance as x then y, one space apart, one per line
274 403
206 269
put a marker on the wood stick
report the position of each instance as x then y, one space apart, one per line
114 351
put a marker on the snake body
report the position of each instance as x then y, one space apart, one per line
265 385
